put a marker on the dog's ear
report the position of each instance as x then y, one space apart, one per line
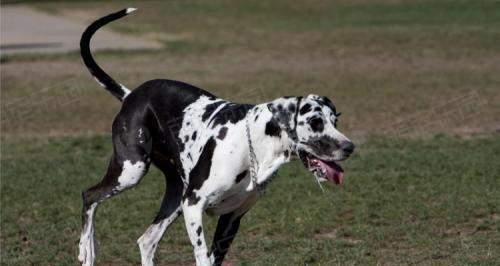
280 114
284 112
284 116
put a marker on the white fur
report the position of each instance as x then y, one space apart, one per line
126 91
193 219
87 246
219 194
100 83
131 174
130 10
148 242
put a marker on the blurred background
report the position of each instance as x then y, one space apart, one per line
417 82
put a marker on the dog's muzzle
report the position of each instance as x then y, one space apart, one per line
326 170
322 169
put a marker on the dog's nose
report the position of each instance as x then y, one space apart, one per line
347 147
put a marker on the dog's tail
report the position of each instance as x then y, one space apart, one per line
118 90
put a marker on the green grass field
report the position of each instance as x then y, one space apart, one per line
417 83
432 202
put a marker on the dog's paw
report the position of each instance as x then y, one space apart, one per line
81 254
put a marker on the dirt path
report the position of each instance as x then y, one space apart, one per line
26 30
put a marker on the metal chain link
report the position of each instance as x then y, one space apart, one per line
253 157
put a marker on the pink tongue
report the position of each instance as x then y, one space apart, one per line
331 173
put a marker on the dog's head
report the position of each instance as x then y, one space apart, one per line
311 124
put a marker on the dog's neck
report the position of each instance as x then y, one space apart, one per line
272 126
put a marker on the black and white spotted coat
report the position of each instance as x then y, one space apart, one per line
200 143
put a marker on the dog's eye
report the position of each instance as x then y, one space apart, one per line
316 124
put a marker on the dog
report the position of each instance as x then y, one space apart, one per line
217 156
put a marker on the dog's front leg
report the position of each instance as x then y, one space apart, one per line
193 214
227 227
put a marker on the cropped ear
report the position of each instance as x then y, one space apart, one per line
285 115
271 108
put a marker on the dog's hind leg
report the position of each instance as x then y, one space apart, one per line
169 211
128 165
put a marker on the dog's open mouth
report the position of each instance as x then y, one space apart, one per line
323 170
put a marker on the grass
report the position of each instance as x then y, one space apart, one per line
417 83
427 202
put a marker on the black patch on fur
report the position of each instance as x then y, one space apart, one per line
173 194
186 138
192 198
232 113
241 176
198 231
193 137
291 107
256 117
198 242
301 123
224 235
209 109
325 101
305 109
317 124
161 106
323 145
273 129
180 145
222 133
201 171
317 109
287 153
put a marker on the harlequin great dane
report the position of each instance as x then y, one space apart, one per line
217 156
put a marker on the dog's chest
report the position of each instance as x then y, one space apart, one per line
235 198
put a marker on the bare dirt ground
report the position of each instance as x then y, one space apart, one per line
367 88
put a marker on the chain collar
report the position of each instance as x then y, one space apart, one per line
254 164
